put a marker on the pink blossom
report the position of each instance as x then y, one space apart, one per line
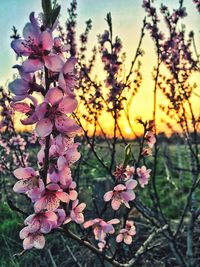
37 46
21 87
28 183
43 222
51 198
36 240
53 113
66 79
121 194
143 175
76 214
126 233
101 228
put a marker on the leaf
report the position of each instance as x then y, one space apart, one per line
47 8
127 155
54 14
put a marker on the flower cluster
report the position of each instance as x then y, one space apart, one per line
51 189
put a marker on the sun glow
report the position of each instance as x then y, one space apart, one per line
127 130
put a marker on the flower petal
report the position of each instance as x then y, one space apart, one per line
47 40
68 104
53 96
53 63
24 173
44 127
19 87
65 124
108 196
69 65
39 241
32 65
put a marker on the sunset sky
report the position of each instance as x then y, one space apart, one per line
127 21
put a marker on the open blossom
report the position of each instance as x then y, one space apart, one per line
76 213
21 86
36 240
51 198
121 194
101 228
126 233
143 175
37 46
66 79
43 222
53 112
29 183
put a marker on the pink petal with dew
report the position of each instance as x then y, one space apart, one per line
39 241
62 196
68 104
19 87
65 124
115 204
53 96
69 65
24 173
21 107
119 238
128 239
32 65
47 40
131 184
44 127
108 195
28 242
53 63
